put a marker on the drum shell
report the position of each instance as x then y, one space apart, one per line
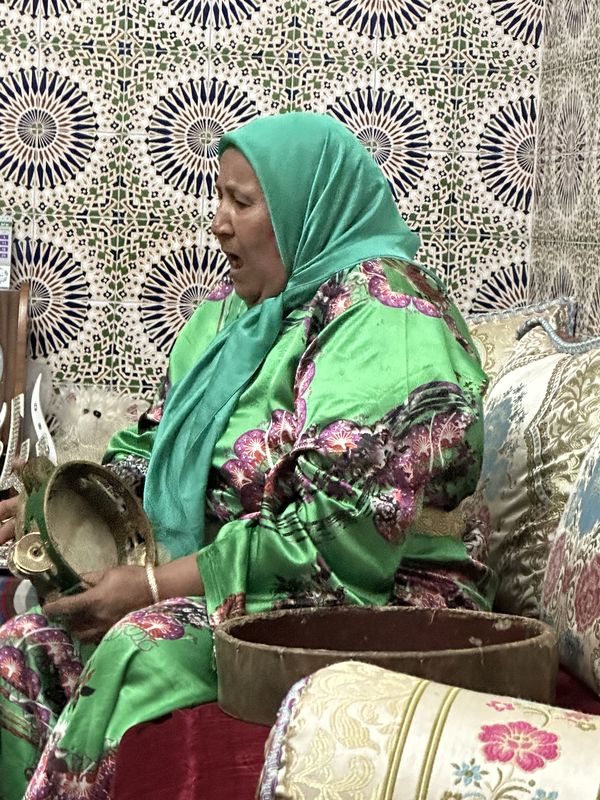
260 657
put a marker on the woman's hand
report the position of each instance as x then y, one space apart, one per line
8 510
113 594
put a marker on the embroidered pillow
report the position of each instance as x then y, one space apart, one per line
495 333
571 592
354 730
541 414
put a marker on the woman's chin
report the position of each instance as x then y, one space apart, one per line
242 292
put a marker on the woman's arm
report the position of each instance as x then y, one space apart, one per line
118 591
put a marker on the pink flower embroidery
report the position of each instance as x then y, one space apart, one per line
23 625
304 376
156 625
13 668
250 447
338 304
578 716
282 430
587 595
498 705
425 307
520 742
380 289
68 673
239 472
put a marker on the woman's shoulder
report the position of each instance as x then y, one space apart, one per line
388 294
387 282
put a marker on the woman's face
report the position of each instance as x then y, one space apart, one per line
243 227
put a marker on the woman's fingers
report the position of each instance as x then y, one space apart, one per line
76 604
8 509
92 578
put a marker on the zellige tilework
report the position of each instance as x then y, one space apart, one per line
111 112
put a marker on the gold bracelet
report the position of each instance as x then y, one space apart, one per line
150 575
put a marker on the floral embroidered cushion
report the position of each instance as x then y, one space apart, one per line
541 414
495 333
571 592
355 730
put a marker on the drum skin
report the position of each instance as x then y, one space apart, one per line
76 518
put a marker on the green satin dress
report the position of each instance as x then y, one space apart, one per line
363 418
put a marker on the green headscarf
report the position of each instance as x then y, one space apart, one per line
331 208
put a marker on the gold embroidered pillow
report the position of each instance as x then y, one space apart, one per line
354 730
571 594
541 414
495 334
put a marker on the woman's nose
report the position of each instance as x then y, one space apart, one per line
221 224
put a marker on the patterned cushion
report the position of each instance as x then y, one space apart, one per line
571 592
494 334
358 731
541 414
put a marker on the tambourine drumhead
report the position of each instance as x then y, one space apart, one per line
77 518
93 522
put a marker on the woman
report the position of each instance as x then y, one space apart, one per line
317 421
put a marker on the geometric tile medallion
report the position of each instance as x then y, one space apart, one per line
186 126
523 19
173 288
59 294
44 8
48 128
391 129
213 14
507 153
383 18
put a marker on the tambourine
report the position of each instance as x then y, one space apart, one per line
75 518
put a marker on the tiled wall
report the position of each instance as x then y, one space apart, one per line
566 220
110 114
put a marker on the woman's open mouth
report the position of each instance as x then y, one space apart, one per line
235 262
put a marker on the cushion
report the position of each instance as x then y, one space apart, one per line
571 591
200 752
540 415
356 730
495 333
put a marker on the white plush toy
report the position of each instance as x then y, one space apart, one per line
87 416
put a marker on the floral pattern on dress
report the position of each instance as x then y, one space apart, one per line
53 780
421 588
380 289
221 289
16 673
232 606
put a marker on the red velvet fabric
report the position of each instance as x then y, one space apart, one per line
571 693
202 754
194 754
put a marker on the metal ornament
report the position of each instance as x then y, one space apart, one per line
44 445
8 477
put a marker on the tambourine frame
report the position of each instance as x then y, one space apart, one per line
49 557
